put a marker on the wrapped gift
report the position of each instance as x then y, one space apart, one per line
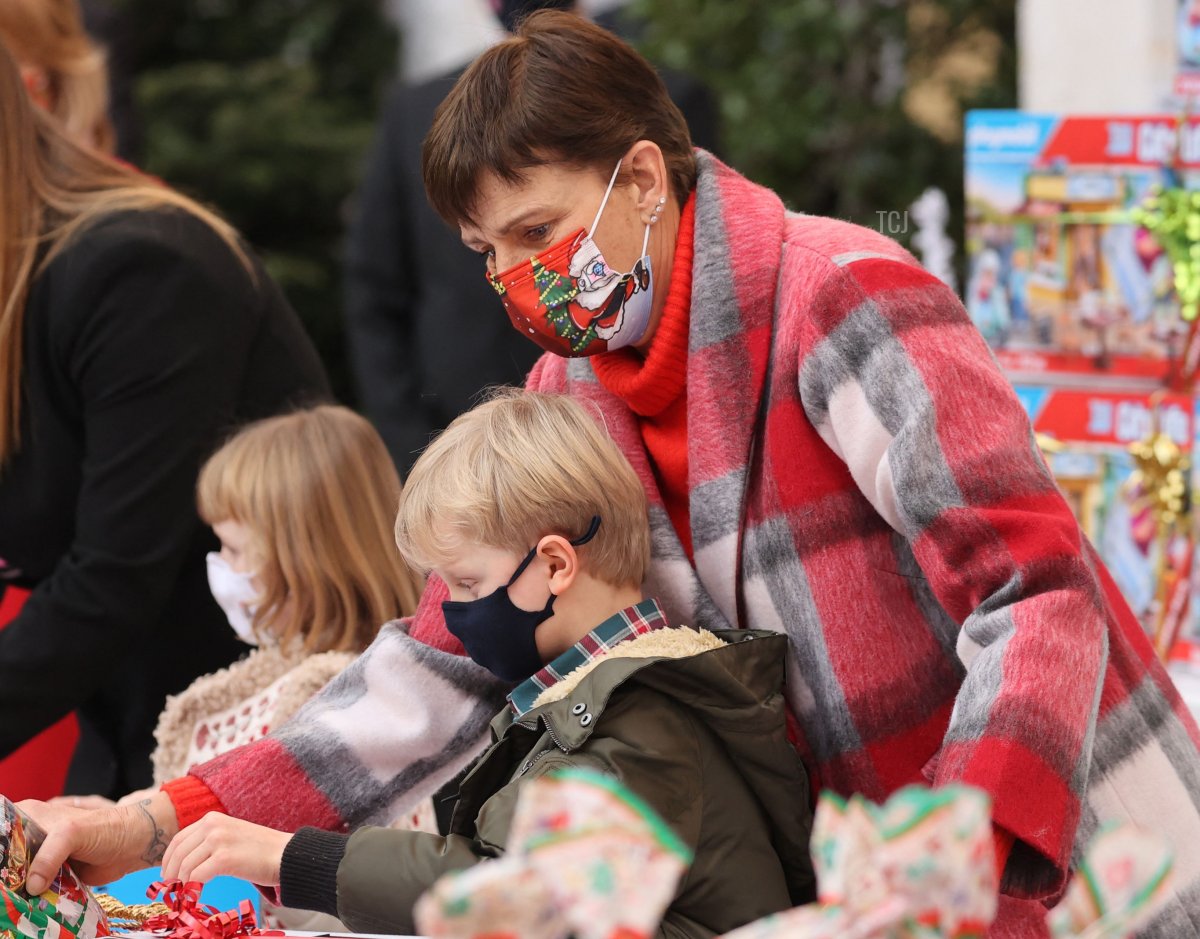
1118 887
501 899
612 864
587 858
66 907
921 866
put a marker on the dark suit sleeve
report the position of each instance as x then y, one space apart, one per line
380 290
150 340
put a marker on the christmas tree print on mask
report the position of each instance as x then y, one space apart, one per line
570 302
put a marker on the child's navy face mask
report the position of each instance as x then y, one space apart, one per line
497 633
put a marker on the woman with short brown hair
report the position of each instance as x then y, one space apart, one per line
536 96
829 451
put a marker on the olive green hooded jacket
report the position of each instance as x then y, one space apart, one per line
693 722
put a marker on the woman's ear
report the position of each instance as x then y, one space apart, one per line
558 552
649 168
37 83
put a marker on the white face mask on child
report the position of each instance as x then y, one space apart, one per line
236 594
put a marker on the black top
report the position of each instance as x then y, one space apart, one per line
146 342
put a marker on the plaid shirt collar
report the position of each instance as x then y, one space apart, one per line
636 620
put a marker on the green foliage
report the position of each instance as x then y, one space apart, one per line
1173 216
263 109
812 92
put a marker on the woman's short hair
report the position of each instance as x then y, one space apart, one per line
516 468
561 90
317 491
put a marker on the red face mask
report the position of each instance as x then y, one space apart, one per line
570 302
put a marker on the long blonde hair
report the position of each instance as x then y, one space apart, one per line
49 35
51 189
317 491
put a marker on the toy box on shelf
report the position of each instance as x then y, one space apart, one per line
1061 281
1078 301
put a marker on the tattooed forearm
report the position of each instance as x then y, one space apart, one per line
157 845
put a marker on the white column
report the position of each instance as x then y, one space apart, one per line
1095 56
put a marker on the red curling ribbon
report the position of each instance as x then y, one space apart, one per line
188 918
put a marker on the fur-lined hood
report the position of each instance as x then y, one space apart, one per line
657 644
719 674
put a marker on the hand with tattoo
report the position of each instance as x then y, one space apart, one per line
156 847
102 845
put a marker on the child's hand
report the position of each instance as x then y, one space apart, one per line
218 844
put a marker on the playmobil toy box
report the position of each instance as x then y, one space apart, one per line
1061 280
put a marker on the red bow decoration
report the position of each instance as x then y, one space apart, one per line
190 919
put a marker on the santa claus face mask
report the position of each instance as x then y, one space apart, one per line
570 302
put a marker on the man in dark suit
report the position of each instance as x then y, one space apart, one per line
426 332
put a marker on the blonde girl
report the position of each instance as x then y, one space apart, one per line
308 571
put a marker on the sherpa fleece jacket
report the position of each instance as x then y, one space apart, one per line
299 675
691 722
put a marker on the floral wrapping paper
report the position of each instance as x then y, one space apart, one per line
589 860
920 866
501 899
1119 886
586 859
66 909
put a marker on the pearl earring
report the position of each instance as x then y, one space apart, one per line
662 201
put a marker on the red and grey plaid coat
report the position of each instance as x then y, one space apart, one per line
863 479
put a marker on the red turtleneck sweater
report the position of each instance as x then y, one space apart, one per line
655 387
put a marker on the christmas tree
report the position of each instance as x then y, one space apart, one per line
554 293
264 109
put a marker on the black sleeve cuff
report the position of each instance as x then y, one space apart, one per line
308 871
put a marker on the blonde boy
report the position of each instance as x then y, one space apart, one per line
537 525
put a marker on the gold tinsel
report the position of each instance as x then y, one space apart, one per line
124 916
1160 484
1161 478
